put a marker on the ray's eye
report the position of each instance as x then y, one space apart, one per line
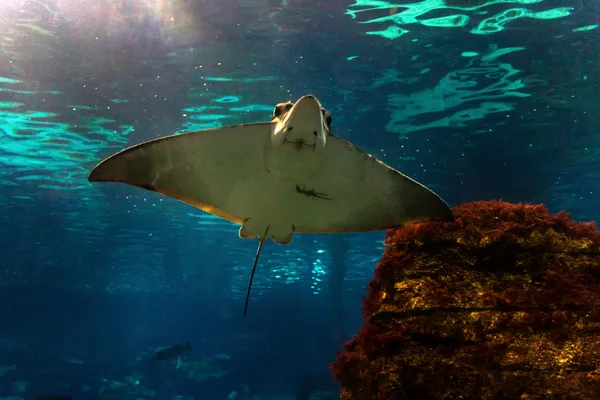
281 108
328 117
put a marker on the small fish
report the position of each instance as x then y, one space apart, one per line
5 368
201 370
52 397
166 353
119 392
73 360
132 380
21 386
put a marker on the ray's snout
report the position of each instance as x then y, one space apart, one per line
307 106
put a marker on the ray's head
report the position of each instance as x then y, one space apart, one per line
303 125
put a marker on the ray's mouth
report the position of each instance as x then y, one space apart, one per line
299 144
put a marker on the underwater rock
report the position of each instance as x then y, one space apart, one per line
504 303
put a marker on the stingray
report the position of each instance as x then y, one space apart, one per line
277 178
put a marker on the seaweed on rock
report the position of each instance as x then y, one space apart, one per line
503 303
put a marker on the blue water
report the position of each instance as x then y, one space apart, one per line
475 99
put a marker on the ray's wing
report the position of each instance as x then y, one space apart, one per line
208 169
355 192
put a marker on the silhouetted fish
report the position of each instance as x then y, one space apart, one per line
166 353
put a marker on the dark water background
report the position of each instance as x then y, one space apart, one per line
477 100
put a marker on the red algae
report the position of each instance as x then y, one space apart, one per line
503 303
